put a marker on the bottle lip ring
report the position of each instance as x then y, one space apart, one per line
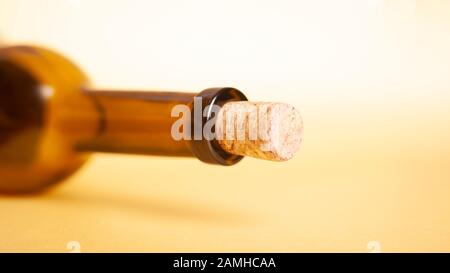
209 151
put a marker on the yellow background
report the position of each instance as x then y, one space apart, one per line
371 78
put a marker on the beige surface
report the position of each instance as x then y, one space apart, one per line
371 79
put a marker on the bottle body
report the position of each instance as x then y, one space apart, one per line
37 88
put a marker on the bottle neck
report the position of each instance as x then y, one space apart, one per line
136 122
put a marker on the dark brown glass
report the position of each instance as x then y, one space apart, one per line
136 122
51 120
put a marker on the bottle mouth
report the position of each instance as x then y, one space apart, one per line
209 150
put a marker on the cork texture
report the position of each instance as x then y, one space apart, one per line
264 130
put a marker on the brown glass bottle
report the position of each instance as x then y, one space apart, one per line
50 120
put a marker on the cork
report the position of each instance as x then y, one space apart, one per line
264 130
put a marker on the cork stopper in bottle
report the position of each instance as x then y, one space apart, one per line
264 130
